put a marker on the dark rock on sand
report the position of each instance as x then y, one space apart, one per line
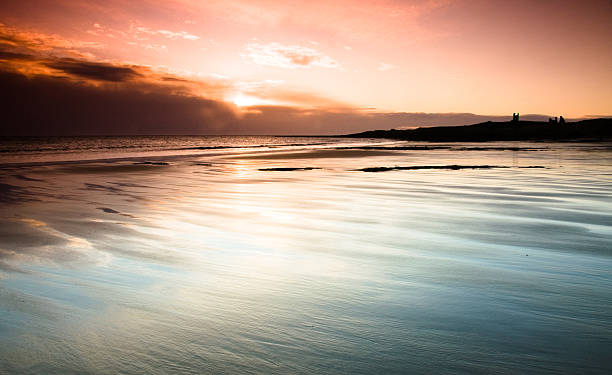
418 167
111 211
286 169
448 167
151 163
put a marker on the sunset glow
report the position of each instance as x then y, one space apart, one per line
424 56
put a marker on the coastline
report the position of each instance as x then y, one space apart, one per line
580 131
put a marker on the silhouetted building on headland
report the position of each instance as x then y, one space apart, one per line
553 120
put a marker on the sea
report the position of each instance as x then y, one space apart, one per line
304 255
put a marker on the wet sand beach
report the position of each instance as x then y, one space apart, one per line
290 256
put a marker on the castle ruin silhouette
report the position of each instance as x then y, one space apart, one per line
553 120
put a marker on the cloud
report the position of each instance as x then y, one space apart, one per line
383 67
360 21
99 30
285 120
142 36
46 43
94 71
165 33
288 56
47 95
48 105
7 55
180 34
269 91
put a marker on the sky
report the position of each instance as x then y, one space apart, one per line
298 67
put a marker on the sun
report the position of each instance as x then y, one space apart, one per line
243 100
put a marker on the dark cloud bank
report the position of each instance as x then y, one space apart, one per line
66 96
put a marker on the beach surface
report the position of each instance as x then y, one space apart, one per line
179 255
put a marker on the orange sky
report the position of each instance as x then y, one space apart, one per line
438 56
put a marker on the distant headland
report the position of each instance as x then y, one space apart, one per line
515 130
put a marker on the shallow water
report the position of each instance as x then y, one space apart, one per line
204 263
